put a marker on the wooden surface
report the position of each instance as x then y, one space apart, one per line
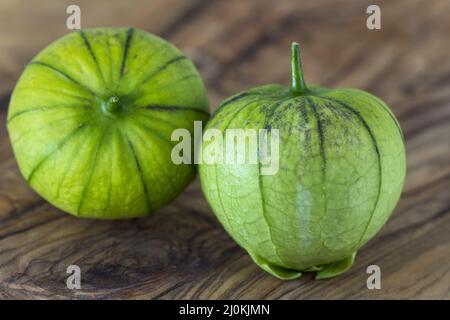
182 251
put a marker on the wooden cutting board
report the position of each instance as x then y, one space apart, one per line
182 251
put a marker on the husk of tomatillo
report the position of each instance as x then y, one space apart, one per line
91 121
340 172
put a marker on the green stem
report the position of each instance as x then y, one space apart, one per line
112 105
298 85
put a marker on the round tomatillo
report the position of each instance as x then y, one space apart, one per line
91 118
341 171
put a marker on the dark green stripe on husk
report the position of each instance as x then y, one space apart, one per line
164 66
58 147
320 132
376 148
126 48
62 73
88 46
139 171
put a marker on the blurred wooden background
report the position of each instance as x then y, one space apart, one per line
182 251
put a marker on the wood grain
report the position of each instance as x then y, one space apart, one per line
182 251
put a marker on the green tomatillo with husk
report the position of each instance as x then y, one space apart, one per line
91 118
341 171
